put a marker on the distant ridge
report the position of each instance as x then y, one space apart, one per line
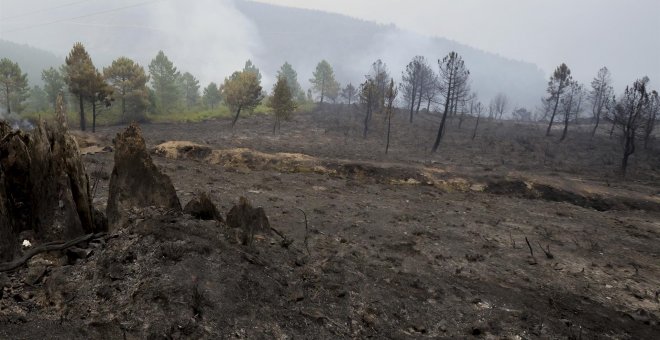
303 37
224 34
32 60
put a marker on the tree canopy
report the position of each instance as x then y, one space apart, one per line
281 102
81 77
242 91
291 77
165 83
323 81
129 81
14 85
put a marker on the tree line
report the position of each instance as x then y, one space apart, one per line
137 93
164 89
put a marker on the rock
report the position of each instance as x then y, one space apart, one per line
44 173
248 219
201 207
135 180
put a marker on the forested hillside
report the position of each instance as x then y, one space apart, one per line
32 60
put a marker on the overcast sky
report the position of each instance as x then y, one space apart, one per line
586 34
623 35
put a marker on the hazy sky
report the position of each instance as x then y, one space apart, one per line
586 34
623 35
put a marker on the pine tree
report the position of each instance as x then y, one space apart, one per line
281 102
37 100
291 77
324 82
54 84
242 91
129 81
211 97
101 97
190 89
81 77
251 67
453 79
559 81
14 85
165 83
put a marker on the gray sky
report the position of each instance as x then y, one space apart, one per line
623 35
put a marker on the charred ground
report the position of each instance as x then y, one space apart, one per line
409 244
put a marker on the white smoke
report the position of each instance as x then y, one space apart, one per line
15 121
208 38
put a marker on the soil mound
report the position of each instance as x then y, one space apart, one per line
44 188
522 189
135 180
182 149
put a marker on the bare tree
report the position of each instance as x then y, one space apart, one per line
557 85
571 105
410 83
654 112
380 76
368 98
631 115
453 79
600 95
469 103
427 83
431 91
500 104
390 96
478 109
349 93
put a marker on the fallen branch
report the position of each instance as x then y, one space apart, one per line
286 242
531 251
547 252
46 247
306 231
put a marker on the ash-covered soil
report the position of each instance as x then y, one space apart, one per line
404 245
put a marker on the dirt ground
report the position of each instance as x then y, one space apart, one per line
402 245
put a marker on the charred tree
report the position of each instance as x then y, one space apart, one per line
600 96
557 85
453 79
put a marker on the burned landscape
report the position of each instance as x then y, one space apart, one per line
363 244
284 169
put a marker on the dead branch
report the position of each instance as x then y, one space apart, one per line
547 252
531 251
286 242
306 231
46 247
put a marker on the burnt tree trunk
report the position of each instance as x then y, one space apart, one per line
233 122
629 149
552 117
474 134
83 123
444 118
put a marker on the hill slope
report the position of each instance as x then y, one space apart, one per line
31 60
211 39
